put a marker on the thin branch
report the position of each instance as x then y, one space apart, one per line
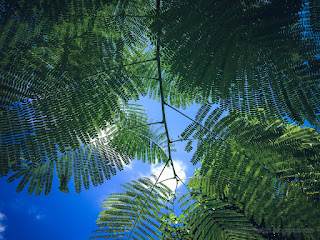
173 201
125 65
163 114
180 178
175 194
143 77
193 121
158 43
184 184
188 139
130 128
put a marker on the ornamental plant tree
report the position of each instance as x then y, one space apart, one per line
71 70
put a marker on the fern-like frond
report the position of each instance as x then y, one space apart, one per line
217 219
243 55
270 201
289 151
90 163
314 9
267 167
135 213
129 137
63 73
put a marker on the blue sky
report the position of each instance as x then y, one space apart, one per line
73 216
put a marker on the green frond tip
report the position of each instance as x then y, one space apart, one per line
135 213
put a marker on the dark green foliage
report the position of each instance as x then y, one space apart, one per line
217 220
269 169
63 77
287 150
243 54
69 68
315 15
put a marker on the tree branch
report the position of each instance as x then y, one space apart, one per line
114 16
158 44
157 58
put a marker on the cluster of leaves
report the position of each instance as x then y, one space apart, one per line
258 180
267 168
69 68
173 227
98 160
243 54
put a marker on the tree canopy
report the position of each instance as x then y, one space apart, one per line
71 70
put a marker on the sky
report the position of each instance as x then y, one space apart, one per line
72 216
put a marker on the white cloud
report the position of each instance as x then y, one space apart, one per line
40 216
36 212
129 166
180 169
20 204
2 227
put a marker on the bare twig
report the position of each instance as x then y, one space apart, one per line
193 121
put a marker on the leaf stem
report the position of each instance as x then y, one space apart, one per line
113 16
167 179
153 186
125 65
188 139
